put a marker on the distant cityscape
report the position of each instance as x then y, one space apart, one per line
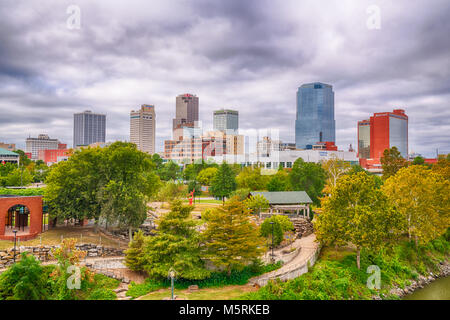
315 135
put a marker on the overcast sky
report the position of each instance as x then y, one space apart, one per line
247 55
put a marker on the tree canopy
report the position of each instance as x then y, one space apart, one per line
224 182
391 162
231 237
309 177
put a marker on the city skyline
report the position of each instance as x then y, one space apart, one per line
233 55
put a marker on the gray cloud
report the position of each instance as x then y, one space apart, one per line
247 55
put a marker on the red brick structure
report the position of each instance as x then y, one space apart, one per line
29 223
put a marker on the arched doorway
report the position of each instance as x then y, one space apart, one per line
17 217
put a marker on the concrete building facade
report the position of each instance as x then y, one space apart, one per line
142 128
42 142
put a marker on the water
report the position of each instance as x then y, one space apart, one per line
436 290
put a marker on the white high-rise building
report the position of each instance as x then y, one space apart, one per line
42 142
142 128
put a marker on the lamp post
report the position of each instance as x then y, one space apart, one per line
272 258
15 237
172 274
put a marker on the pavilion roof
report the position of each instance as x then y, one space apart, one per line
284 197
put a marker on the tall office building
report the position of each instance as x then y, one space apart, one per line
364 139
226 120
186 109
142 128
88 128
315 115
42 142
382 131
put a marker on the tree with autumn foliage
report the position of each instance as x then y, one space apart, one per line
357 212
69 258
335 168
422 196
391 162
231 238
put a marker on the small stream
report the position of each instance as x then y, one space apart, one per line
436 290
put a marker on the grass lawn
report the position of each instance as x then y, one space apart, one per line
53 237
224 293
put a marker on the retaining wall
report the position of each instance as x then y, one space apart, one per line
44 253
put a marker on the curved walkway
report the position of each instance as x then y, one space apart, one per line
308 252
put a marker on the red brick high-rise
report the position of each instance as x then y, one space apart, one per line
382 131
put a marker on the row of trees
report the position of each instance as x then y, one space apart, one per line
369 213
230 241
29 171
113 183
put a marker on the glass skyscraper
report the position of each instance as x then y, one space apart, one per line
88 128
315 115
226 120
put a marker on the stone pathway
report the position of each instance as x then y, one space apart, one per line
307 249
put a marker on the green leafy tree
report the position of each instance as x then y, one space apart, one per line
23 159
257 203
354 169
266 231
359 213
224 183
281 224
423 198
169 171
195 185
19 177
251 178
231 237
134 255
309 177
418 161
391 162
206 176
279 181
73 186
176 245
130 182
171 190
241 194
24 280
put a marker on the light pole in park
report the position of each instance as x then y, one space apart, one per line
272 258
172 275
15 238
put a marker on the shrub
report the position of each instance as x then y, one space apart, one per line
24 280
266 231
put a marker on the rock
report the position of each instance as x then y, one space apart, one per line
193 287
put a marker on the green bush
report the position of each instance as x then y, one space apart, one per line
23 192
217 279
24 280
266 231
102 294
